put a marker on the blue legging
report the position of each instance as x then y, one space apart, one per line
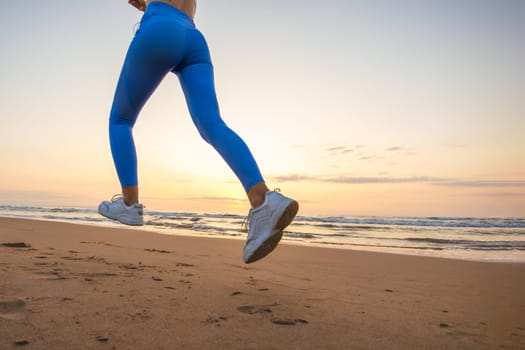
167 41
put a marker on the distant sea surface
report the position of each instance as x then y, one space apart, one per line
480 239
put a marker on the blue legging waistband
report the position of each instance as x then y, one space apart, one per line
158 7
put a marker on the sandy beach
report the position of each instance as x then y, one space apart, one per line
65 286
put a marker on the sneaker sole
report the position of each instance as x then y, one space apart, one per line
122 222
288 216
271 243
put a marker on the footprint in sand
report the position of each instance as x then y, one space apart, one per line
12 309
288 322
153 250
268 310
251 282
17 245
215 320
55 274
256 309
71 258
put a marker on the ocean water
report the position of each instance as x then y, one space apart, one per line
480 239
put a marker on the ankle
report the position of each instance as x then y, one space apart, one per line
130 203
131 195
257 194
257 200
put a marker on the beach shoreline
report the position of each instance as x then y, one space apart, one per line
242 238
472 239
82 287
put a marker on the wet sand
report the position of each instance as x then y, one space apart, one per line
65 286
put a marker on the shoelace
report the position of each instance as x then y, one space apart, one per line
245 226
118 196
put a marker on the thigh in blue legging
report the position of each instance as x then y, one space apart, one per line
163 44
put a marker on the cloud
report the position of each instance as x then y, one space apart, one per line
367 155
401 150
370 157
436 181
381 180
358 150
338 150
500 194
297 146
485 183
334 149
331 149
356 180
295 178
394 149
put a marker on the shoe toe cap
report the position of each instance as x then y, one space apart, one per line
103 207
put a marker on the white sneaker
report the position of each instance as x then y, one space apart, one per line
116 209
266 224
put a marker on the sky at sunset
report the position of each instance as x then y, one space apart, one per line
369 107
